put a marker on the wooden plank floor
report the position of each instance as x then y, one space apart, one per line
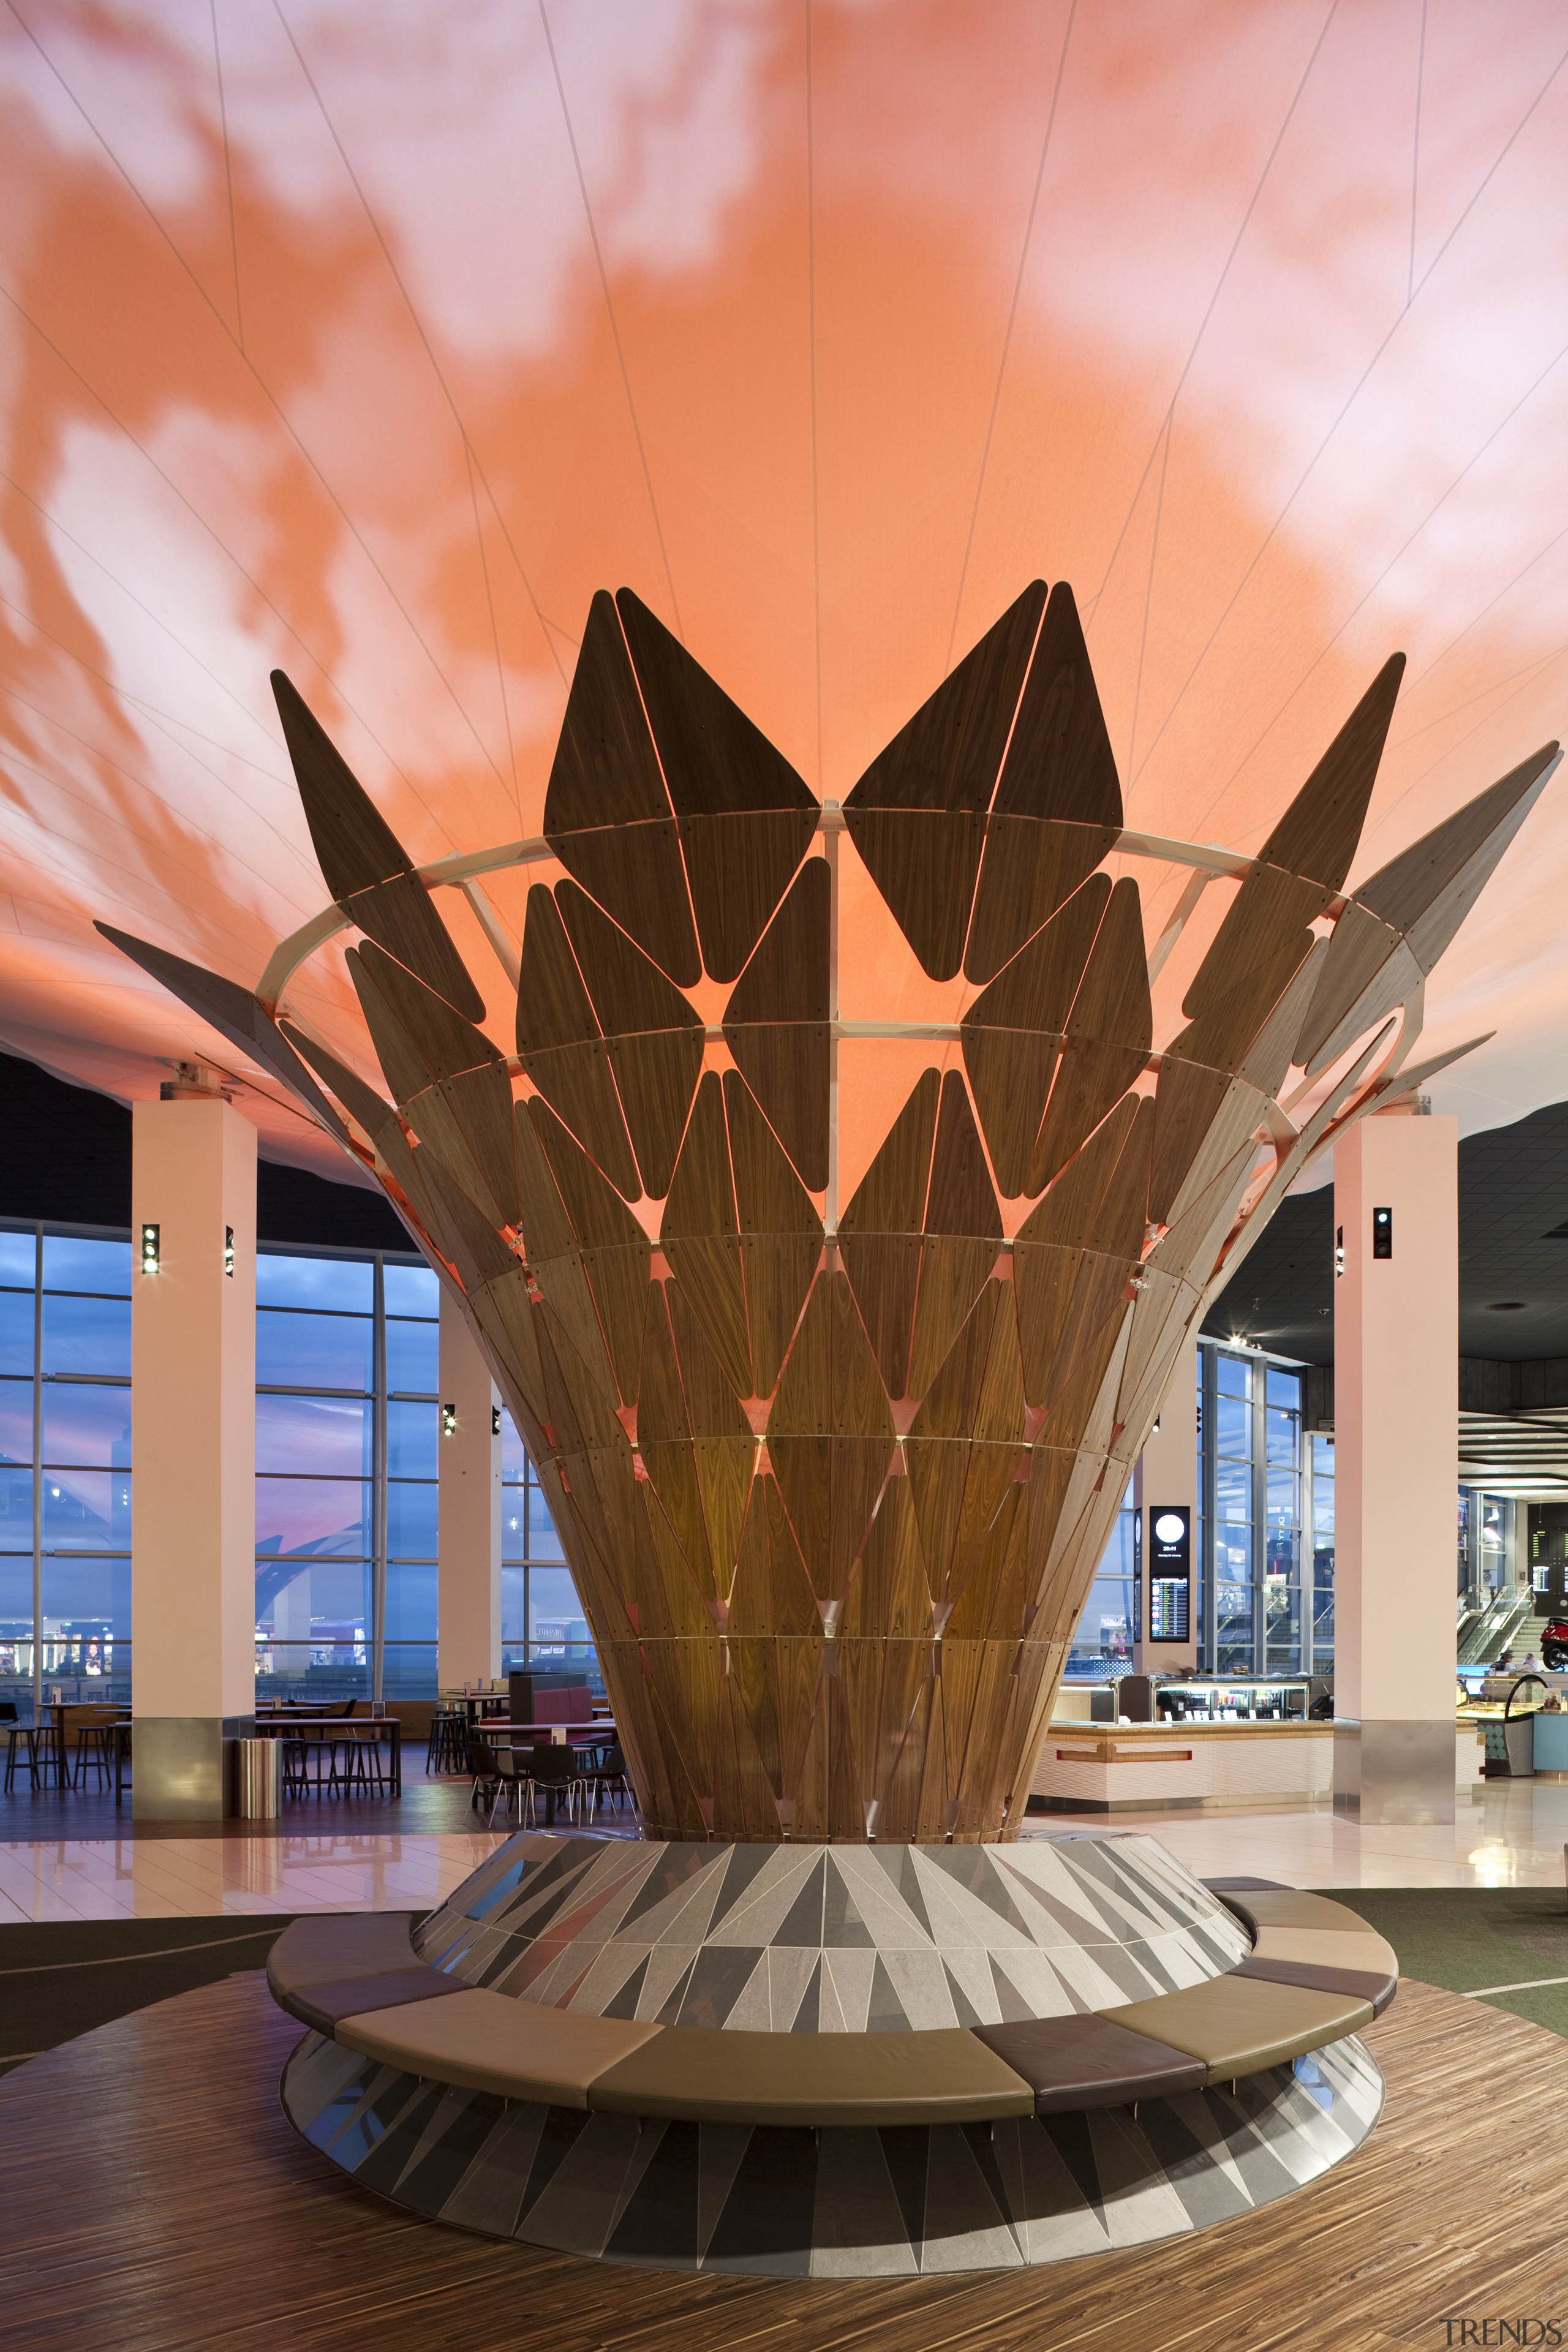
152 2197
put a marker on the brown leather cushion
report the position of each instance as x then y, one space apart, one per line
1360 1984
322 2005
1286 1906
488 2041
1328 1949
1238 2025
1085 2062
1241 1885
944 2076
333 1946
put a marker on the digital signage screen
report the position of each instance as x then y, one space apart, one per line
1170 1572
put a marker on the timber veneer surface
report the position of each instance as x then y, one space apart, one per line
191 2216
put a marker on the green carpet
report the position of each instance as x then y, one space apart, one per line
63 1978
1470 1937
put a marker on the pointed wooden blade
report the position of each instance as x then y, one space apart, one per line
917 815
776 1024
363 864
1318 834
606 813
746 818
235 1013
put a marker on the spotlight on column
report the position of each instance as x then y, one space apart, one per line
1338 1251
228 1251
1383 1233
449 1421
149 1249
495 1421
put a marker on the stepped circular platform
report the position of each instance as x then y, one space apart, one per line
835 2061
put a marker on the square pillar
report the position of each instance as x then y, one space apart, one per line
193 1439
1165 1480
1396 1437
467 1619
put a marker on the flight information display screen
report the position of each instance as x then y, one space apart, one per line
1169 1573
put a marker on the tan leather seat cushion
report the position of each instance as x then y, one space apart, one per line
1288 1908
944 2076
488 2041
1327 1948
1238 2025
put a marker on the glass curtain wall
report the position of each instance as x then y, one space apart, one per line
65 1464
1102 1644
1266 1519
347 1436
543 1625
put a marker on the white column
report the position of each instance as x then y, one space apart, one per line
1396 1356
469 1594
192 1440
1165 1479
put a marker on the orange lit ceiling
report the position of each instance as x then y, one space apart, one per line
367 341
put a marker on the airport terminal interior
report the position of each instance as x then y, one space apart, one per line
784 1175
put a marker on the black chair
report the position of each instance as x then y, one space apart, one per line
608 1777
494 1769
559 1772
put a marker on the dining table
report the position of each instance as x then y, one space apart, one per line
316 1726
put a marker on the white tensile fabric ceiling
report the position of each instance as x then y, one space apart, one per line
367 338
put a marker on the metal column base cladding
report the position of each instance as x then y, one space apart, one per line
815 1939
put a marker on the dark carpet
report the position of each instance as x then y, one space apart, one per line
1506 1943
59 1978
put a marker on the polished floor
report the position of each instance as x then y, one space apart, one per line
333 1858
190 2216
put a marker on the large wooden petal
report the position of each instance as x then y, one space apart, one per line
616 1252
364 866
776 1024
830 1436
781 1233
879 1234
1058 802
451 1083
606 813
702 1239
746 819
1013 1032
917 814
962 1235
654 1037
1109 1033
563 1048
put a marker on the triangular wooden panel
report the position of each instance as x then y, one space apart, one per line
830 1436
1058 804
544 1228
561 1048
664 1443
445 1215
462 1107
878 1232
1425 893
1265 933
1186 1102
942 767
616 1252
1109 1033
723 1445
781 1232
363 864
361 1102
701 1240
655 1038
1318 834
1069 1214
235 1013
936 1448
606 813
1014 1030
1224 1036
746 818
776 1024
964 1231
504 1312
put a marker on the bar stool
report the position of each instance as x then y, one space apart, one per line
362 1766
15 1730
448 1748
94 1747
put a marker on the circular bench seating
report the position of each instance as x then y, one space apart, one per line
1316 1973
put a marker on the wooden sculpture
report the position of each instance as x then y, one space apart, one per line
832 1479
